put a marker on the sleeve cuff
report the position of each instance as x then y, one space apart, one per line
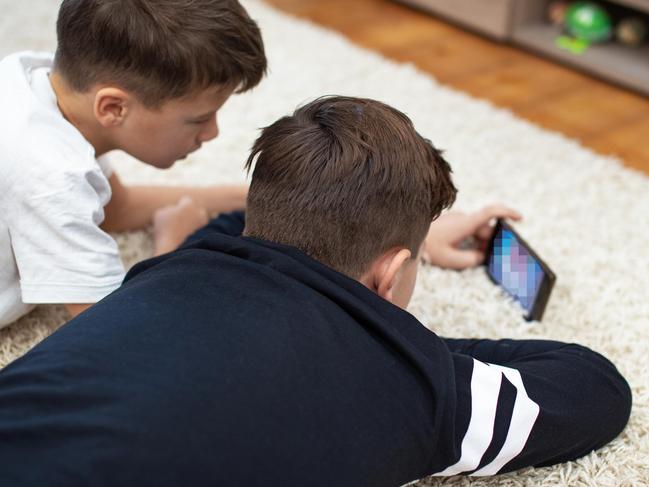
65 293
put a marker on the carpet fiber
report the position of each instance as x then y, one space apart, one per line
584 214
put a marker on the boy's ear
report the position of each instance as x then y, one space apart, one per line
111 106
383 272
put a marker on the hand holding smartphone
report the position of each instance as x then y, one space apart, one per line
513 265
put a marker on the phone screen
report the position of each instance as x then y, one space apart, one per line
512 266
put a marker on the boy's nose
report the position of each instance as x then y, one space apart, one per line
211 131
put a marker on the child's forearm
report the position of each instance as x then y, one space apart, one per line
219 199
215 199
132 207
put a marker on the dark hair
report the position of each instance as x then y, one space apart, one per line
345 179
158 49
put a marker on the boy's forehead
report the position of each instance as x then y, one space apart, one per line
210 98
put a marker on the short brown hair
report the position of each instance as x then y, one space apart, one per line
158 49
344 180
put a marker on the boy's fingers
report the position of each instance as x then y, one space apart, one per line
488 213
498 211
463 259
485 231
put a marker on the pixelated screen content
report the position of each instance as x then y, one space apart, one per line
515 269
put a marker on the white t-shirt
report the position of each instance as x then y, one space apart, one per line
52 196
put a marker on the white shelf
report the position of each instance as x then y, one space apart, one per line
621 64
523 22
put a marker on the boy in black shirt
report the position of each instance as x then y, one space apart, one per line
281 353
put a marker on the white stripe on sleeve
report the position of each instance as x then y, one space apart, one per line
523 418
485 389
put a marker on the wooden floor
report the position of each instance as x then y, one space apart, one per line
603 117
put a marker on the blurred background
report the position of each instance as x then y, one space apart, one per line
577 67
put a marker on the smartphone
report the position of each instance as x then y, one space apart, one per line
512 264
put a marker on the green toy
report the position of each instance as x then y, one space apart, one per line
575 46
588 22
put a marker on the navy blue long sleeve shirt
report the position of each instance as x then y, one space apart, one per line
235 361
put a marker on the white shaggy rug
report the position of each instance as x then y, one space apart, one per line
584 213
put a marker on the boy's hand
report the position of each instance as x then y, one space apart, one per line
442 246
173 224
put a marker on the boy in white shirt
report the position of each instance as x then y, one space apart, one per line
145 77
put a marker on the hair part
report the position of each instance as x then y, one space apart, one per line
344 180
158 49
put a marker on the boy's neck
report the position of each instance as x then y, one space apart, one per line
78 109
